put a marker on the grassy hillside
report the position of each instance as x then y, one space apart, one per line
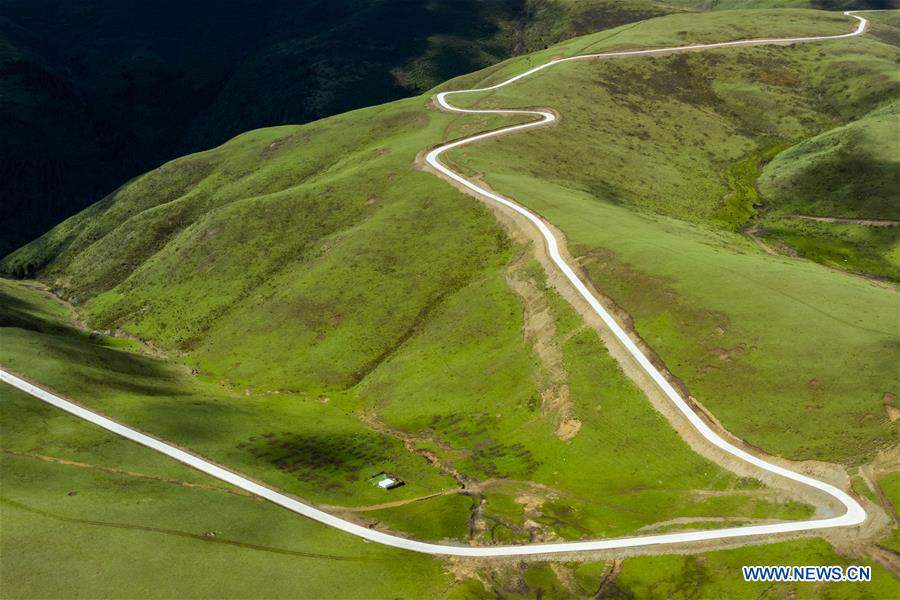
850 173
315 262
88 514
192 538
760 339
890 487
96 93
303 305
322 442
93 505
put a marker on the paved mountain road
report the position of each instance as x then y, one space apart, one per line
853 515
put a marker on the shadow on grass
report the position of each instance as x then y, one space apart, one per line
15 312
174 532
74 347
143 391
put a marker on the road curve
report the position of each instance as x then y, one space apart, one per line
853 515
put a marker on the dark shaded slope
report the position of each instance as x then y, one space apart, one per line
93 93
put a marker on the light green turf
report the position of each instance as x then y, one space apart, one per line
319 249
123 535
607 481
331 453
739 103
643 477
335 281
439 518
778 348
718 574
890 485
851 171
741 204
314 280
75 532
191 542
670 30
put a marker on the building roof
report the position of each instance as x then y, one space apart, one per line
387 483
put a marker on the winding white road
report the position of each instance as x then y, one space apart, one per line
853 515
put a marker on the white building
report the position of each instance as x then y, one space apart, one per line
389 483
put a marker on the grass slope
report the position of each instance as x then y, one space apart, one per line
98 93
776 347
341 313
148 527
338 284
332 453
890 487
88 536
837 129
849 172
94 94
466 387
94 506
709 575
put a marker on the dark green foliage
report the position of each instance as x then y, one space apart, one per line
328 462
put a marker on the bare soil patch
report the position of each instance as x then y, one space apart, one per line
890 406
539 328
866 222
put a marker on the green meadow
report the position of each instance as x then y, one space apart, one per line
709 575
890 486
466 387
300 445
635 175
119 520
147 527
303 305
834 126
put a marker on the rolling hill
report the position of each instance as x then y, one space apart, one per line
98 92
95 93
303 304
639 195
